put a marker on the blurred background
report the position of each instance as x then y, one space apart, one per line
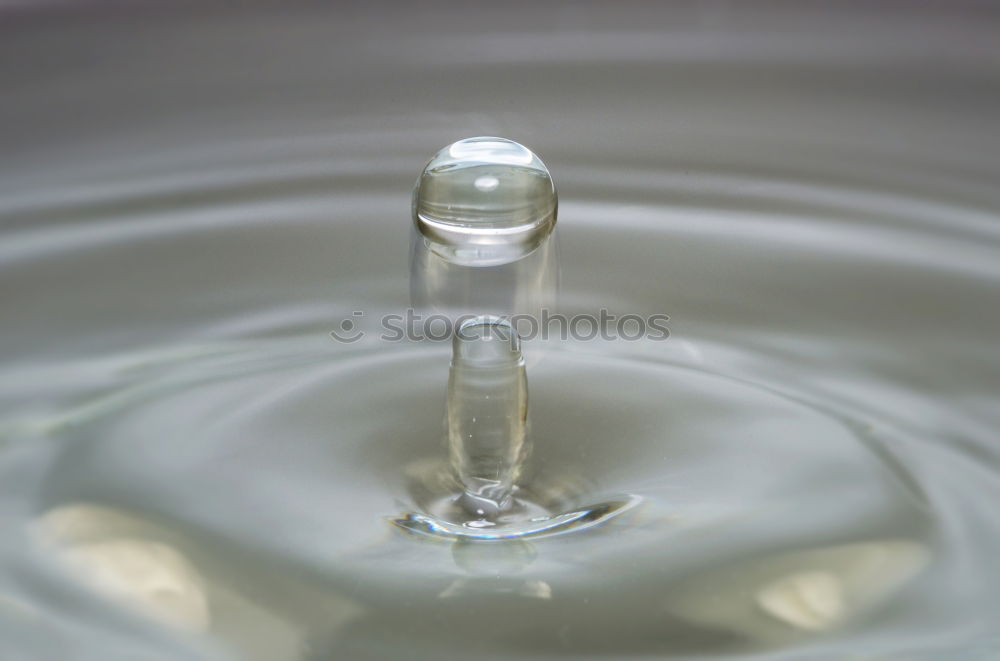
194 194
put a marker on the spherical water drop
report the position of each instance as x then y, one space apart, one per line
484 201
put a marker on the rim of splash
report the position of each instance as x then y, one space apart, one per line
576 520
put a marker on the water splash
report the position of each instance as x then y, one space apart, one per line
483 210
487 413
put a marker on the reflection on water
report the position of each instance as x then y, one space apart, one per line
135 564
150 576
493 567
192 199
784 595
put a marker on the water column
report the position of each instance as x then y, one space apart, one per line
487 413
484 211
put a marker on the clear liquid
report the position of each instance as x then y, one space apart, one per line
193 469
484 201
487 414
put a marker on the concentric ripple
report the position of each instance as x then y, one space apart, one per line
193 468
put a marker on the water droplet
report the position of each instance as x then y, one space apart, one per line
484 201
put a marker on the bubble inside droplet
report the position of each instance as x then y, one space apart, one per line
484 201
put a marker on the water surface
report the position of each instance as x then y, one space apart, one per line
192 199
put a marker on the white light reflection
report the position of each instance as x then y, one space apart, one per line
785 595
148 576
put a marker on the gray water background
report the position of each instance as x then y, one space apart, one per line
192 197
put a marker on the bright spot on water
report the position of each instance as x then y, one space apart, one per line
147 575
151 577
776 598
810 600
